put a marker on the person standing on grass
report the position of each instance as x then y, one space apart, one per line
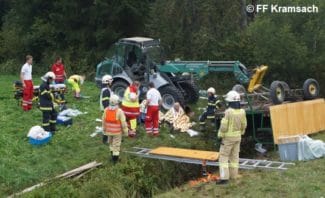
59 71
27 81
152 116
46 100
232 127
114 125
105 95
131 107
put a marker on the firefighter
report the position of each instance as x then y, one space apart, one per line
75 81
105 95
131 106
232 127
152 116
114 125
46 103
26 80
209 113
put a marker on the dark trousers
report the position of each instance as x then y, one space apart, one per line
49 120
207 115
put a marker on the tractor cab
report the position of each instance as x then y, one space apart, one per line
138 59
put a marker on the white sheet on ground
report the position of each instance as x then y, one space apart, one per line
71 112
310 149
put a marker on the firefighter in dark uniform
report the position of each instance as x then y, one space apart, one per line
210 111
105 95
46 103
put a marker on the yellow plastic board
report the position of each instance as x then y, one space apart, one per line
186 153
300 118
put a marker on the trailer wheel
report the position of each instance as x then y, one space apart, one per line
119 88
277 92
191 94
170 95
285 86
311 89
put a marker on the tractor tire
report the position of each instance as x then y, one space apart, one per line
119 87
170 95
277 93
310 89
191 94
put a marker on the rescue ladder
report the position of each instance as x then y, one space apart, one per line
176 157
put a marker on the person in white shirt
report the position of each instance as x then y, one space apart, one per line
152 116
27 81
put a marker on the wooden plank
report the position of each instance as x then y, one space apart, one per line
186 153
300 118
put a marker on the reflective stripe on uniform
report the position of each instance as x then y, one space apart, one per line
44 92
105 98
46 108
234 165
224 165
46 124
53 121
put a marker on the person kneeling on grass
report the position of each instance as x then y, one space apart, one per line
183 123
114 124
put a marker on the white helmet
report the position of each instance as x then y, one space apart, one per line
133 96
233 96
114 100
107 79
48 75
211 90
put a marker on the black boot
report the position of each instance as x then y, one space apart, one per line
115 158
105 139
222 182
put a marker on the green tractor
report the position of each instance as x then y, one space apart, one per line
140 58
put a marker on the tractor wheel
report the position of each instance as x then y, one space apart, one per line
311 89
119 88
277 93
191 94
170 95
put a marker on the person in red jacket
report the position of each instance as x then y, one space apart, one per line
59 71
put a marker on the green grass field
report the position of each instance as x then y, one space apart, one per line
23 165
